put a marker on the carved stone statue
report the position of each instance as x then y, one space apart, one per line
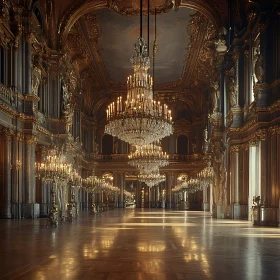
206 141
116 144
233 93
193 148
36 79
259 72
215 96
66 95
96 148
219 171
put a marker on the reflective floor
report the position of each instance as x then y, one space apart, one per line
139 244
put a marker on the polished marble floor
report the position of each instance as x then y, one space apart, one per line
142 244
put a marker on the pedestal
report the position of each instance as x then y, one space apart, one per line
265 216
220 211
206 206
30 210
236 211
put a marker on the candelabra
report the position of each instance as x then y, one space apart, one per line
53 170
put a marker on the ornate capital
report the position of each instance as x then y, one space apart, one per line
246 146
274 129
18 136
7 134
254 142
31 139
235 149
262 134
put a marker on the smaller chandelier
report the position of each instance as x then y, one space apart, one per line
148 158
151 179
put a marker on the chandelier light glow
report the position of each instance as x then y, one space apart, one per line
151 179
148 158
139 119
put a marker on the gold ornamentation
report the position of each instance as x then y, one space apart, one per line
235 149
262 134
31 139
254 141
274 129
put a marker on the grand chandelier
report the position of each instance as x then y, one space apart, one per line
148 158
139 119
151 179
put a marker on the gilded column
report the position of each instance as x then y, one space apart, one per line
30 209
206 205
169 181
122 186
138 195
234 183
16 170
6 208
264 183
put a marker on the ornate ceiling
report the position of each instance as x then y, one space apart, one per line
99 37
101 44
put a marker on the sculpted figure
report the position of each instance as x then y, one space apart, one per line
215 96
259 72
36 79
233 92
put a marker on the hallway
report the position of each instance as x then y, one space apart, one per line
139 244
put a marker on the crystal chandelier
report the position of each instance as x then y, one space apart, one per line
151 179
148 158
139 120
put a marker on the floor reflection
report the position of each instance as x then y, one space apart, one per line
139 244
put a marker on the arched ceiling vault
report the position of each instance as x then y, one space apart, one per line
75 9
100 41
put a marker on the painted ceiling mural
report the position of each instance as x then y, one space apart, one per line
101 44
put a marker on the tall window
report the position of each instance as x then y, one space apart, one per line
182 145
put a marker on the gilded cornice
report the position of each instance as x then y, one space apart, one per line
235 149
274 130
31 139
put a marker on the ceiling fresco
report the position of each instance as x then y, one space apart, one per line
101 44
119 33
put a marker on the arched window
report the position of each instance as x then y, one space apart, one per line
182 145
107 145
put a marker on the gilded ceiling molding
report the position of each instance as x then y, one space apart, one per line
80 8
207 8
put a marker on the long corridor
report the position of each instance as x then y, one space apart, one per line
139 244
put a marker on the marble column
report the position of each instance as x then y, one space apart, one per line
235 188
265 197
236 110
122 186
206 205
16 172
30 208
6 207
157 196
28 67
138 195
169 181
